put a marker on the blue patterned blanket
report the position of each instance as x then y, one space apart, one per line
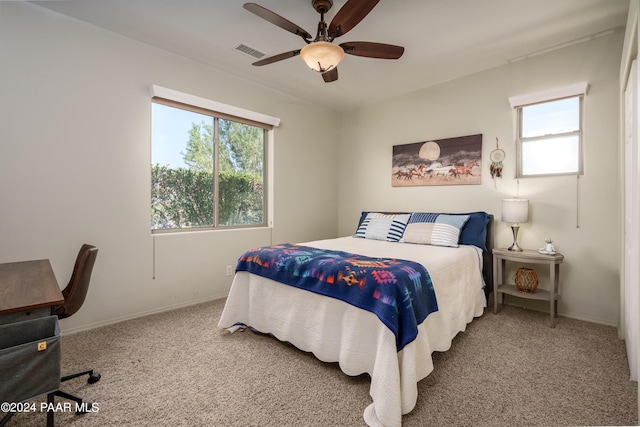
399 292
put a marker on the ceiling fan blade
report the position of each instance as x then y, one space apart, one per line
373 50
349 16
276 19
276 58
331 75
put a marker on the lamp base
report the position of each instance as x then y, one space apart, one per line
514 247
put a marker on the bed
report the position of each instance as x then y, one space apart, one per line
455 252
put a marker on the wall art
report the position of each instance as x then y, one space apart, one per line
450 161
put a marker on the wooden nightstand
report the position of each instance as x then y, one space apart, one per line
526 257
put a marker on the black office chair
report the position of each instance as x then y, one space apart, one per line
74 295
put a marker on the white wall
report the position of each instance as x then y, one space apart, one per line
479 104
75 165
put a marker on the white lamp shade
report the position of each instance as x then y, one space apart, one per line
515 210
322 56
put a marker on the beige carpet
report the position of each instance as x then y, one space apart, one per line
179 369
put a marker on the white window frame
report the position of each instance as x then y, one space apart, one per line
231 112
520 101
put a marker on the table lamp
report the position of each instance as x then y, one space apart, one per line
515 211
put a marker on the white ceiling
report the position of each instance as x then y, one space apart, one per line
443 39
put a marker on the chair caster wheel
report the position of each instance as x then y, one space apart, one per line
94 378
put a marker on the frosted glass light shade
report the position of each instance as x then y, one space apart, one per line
515 211
322 56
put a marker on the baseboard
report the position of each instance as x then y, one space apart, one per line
560 314
95 325
590 320
212 298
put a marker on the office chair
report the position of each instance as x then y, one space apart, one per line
74 295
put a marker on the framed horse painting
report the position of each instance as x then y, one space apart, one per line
450 161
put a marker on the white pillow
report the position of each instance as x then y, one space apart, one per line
434 229
378 226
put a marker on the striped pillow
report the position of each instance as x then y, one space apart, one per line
380 226
434 229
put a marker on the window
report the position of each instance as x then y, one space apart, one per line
550 133
208 169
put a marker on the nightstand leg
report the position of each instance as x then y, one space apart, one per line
556 285
553 289
495 285
503 268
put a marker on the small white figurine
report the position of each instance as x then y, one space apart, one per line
548 248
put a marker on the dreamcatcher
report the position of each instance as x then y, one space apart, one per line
496 156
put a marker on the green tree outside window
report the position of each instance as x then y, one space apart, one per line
183 192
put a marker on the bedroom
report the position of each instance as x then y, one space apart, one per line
75 149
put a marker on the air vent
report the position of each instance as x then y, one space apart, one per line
249 51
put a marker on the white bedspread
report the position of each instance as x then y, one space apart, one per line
335 331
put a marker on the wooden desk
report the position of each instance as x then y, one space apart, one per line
28 289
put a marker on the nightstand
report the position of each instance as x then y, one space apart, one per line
500 287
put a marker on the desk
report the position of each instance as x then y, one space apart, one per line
28 289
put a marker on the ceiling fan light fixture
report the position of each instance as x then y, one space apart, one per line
322 56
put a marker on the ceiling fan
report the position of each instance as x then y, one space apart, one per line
320 53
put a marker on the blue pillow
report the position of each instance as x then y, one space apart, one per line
474 231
